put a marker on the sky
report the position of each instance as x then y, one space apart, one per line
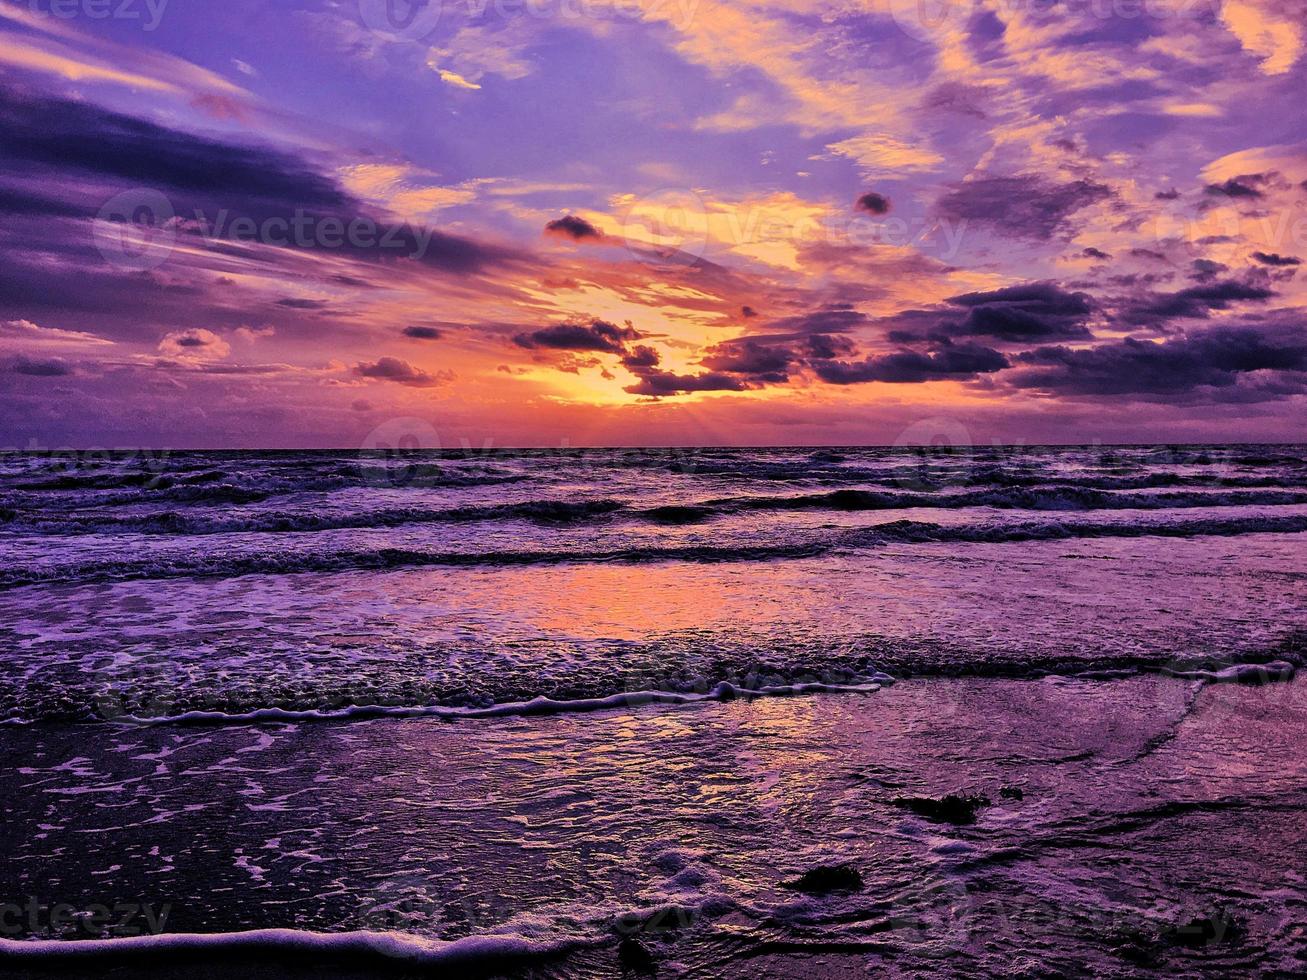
477 223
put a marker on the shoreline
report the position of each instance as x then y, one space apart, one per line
1110 780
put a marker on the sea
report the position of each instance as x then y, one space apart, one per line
998 711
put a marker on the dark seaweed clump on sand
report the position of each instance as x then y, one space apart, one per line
954 808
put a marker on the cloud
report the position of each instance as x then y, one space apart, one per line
836 318
573 227
53 367
1216 358
948 362
195 343
1274 258
34 335
881 155
1024 313
1025 206
401 372
1205 270
640 358
422 333
761 362
599 336
826 346
1269 30
455 79
1241 186
1194 302
251 334
63 144
1021 313
85 137
873 203
661 383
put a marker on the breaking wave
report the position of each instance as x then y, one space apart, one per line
226 564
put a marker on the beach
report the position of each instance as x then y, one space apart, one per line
784 712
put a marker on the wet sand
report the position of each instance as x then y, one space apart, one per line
1144 825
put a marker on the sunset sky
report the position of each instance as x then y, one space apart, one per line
650 222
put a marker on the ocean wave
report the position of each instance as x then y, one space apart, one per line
387 951
534 708
1047 497
1055 497
218 486
196 703
181 522
226 564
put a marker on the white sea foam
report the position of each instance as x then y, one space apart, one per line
470 952
723 691
1276 670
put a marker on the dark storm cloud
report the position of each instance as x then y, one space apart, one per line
1026 206
422 333
1095 253
1194 302
660 383
69 135
573 227
40 368
599 336
393 369
761 362
1274 258
640 358
948 362
193 339
1043 298
1205 270
1243 186
837 318
15 201
1025 313
84 154
825 346
873 203
303 304
1213 358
